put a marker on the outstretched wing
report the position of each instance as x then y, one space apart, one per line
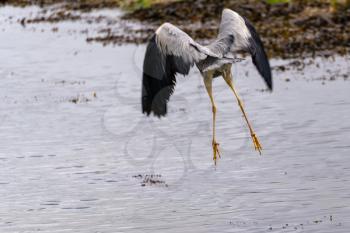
169 51
245 38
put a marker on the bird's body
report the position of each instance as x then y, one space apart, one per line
214 65
171 51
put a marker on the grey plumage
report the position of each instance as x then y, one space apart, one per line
171 51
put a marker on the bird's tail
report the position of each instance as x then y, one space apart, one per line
233 59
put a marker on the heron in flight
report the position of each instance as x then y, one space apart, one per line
171 51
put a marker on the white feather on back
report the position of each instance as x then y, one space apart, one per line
173 41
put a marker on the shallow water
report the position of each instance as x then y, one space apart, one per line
69 159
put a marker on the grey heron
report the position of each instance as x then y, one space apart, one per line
171 51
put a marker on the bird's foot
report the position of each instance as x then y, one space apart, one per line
256 143
216 151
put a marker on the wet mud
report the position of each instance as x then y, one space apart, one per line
151 179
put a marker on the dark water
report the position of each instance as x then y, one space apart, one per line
68 159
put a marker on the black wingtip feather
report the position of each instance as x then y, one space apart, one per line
153 98
259 56
158 79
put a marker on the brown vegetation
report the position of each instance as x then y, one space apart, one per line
298 28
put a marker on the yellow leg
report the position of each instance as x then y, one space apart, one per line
208 85
228 78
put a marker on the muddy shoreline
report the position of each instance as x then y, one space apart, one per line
289 30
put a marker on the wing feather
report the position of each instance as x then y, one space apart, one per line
169 51
259 56
247 39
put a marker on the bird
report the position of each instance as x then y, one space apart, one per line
170 51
